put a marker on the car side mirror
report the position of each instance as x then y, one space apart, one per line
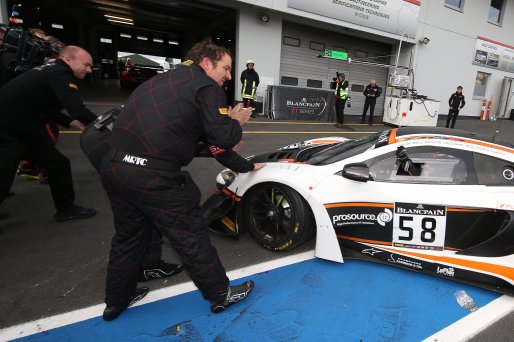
357 171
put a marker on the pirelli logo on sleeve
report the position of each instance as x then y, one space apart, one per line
223 111
74 86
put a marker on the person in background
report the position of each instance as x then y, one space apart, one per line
342 94
456 103
250 82
371 93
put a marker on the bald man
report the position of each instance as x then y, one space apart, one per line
28 101
371 93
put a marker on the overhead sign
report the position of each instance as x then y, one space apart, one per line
392 16
336 54
491 54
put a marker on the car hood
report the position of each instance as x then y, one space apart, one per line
297 152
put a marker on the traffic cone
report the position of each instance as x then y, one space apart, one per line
488 112
482 112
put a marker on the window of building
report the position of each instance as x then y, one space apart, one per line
493 171
380 59
342 49
291 41
495 11
357 87
317 46
454 4
292 81
314 84
480 85
436 165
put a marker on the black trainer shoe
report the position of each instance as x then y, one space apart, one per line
113 311
160 270
234 294
26 170
76 212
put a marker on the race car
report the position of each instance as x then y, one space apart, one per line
428 199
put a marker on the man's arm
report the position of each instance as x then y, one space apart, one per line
450 100
463 102
65 89
345 85
219 128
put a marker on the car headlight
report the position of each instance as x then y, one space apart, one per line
225 178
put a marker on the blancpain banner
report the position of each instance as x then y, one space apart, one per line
393 16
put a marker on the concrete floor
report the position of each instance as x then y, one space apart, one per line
50 268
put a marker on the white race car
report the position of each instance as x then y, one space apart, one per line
433 200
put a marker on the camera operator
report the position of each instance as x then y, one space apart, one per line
26 100
342 94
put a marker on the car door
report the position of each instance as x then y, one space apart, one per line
435 209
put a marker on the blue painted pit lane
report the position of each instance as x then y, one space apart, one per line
314 300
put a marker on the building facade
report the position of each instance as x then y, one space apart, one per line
447 43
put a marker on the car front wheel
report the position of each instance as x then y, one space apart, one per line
277 217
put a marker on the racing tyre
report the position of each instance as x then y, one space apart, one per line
277 217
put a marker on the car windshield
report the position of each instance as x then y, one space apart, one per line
342 150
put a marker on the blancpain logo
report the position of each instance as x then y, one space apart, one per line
303 103
447 271
381 218
419 210
135 160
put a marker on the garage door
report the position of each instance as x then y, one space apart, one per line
299 65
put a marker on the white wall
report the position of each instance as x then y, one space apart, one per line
4 17
260 42
446 61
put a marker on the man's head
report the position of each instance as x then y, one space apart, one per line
340 77
78 59
249 64
372 83
459 89
214 59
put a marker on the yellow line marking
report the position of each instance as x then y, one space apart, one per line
299 123
291 132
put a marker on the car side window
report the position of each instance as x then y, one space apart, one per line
493 171
434 165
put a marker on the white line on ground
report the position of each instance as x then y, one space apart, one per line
53 322
475 322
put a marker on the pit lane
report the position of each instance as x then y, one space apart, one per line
50 268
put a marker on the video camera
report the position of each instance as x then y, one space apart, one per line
30 49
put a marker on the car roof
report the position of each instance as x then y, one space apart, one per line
403 131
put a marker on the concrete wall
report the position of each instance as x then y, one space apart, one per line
260 42
446 61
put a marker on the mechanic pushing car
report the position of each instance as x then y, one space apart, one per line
158 132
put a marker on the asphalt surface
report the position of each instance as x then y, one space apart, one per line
50 268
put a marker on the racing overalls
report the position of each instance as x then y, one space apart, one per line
341 93
158 132
28 101
250 82
93 142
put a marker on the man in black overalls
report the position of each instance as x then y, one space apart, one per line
158 132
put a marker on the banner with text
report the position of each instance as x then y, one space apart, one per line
291 103
393 16
494 55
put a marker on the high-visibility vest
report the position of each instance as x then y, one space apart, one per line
344 92
248 96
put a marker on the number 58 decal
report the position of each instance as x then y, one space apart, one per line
419 226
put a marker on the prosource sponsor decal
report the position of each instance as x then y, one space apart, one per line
362 218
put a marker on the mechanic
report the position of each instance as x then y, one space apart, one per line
371 93
26 100
158 132
456 103
250 81
341 98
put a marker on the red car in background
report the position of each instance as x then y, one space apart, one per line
132 78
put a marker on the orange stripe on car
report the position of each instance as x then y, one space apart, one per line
359 204
325 141
392 136
233 195
364 240
505 271
458 210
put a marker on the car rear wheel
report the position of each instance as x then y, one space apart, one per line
277 217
